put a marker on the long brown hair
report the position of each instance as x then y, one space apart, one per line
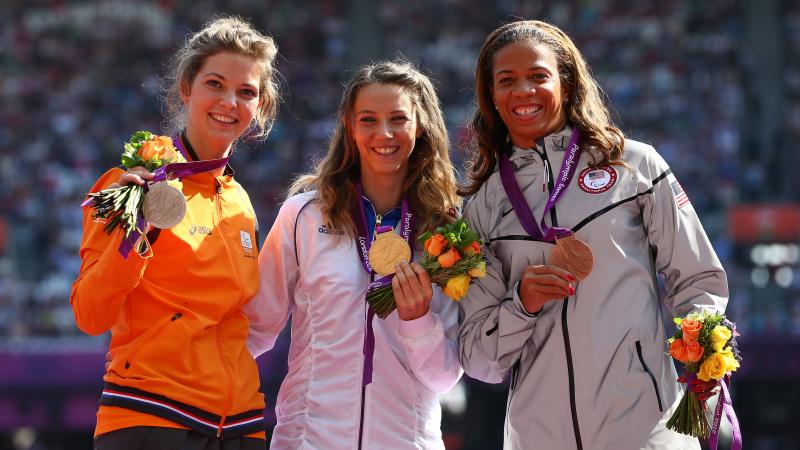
430 185
584 106
224 34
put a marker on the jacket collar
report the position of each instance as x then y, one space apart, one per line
555 142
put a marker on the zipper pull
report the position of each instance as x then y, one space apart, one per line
546 177
378 219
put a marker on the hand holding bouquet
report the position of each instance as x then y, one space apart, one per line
452 257
705 343
120 206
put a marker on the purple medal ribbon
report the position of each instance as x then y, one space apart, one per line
169 172
724 404
364 242
517 198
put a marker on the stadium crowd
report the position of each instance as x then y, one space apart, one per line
77 78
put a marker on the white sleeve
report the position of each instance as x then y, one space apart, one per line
430 344
278 273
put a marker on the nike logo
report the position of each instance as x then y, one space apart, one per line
505 213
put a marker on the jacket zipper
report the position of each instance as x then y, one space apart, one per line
564 323
650 374
228 384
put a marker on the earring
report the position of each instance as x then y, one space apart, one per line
495 106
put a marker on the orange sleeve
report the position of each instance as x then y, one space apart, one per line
105 279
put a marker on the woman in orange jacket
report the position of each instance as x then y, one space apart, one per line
180 374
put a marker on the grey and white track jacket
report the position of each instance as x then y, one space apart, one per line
590 371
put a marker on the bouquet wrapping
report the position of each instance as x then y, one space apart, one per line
452 256
705 343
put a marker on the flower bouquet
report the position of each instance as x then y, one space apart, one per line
120 206
452 257
705 343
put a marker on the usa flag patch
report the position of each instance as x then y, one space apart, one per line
677 191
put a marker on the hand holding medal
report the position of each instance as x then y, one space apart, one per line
570 253
164 205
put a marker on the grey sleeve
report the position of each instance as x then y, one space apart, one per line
494 326
695 279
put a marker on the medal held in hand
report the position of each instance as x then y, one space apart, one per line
573 255
387 251
570 253
164 205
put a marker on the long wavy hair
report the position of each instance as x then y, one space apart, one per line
430 185
584 105
223 34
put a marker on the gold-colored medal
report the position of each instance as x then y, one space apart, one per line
573 255
387 251
164 205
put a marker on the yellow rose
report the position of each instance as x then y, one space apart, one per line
719 337
478 271
713 368
730 360
457 287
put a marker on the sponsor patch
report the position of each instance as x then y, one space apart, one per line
324 229
597 181
199 229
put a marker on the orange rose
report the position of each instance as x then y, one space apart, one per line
449 258
159 147
677 349
691 329
435 244
149 150
694 351
472 249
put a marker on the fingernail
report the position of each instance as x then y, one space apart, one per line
571 277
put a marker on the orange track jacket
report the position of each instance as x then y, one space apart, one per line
178 332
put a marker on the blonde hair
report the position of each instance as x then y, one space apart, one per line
430 185
224 34
584 105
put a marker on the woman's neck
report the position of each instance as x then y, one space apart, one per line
384 194
206 151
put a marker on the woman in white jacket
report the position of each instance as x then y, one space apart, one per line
356 381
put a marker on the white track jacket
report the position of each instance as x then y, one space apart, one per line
314 274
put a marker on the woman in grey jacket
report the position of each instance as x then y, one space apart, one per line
587 359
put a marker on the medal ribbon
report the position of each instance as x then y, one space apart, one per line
364 241
168 172
724 404
517 198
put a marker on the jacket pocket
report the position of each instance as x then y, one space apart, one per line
650 374
146 338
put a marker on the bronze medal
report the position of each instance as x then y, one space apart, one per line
387 251
164 205
573 255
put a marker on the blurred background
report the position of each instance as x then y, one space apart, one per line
713 85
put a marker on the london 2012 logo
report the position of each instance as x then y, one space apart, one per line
597 181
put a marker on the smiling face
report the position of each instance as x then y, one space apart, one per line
527 91
221 102
384 129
